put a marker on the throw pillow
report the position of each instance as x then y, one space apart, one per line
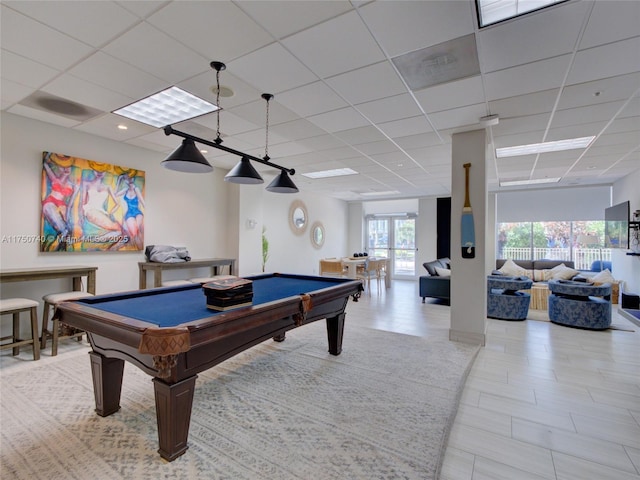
443 272
431 267
603 277
512 269
562 272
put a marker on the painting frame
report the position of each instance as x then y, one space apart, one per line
89 206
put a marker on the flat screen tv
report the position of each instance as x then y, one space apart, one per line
616 226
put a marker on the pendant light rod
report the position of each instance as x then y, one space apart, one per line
169 130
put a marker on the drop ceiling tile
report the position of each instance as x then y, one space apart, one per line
204 86
194 25
619 58
522 105
256 112
168 59
42 116
107 126
402 27
86 93
368 83
623 14
538 36
459 117
297 130
373 148
599 91
510 126
357 136
390 108
13 92
337 120
338 45
311 99
142 9
406 127
272 69
114 74
42 44
575 131
94 23
591 113
524 79
299 15
322 142
459 93
419 140
22 70
230 124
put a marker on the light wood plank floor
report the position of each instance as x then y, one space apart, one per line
542 401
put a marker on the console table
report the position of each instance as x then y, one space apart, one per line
579 304
157 268
75 272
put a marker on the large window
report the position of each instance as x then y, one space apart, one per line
579 241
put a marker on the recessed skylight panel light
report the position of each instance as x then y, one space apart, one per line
494 11
337 172
546 147
534 181
167 107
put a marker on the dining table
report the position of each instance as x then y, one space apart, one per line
352 264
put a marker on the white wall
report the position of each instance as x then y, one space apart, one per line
624 266
291 253
199 211
181 209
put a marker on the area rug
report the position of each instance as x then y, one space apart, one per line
380 410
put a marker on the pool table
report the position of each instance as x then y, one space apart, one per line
170 334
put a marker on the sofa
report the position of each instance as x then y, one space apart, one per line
437 282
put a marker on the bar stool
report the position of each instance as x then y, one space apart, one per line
15 306
51 301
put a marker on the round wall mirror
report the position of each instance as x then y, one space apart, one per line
298 217
317 234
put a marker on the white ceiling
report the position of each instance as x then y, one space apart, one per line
572 70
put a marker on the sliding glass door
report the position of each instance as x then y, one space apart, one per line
394 237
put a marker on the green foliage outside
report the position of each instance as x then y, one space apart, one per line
265 248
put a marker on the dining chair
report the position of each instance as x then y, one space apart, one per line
331 268
370 271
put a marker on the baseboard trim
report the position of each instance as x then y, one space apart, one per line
467 337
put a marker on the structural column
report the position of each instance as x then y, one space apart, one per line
468 275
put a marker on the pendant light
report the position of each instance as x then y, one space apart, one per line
243 173
187 158
282 183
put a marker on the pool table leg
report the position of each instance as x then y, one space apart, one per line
173 413
107 383
335 331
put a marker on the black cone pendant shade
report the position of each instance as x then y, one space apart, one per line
187 158
243 173
282 184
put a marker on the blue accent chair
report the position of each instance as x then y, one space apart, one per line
580 305
504 300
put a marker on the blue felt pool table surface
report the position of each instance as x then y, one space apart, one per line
173 306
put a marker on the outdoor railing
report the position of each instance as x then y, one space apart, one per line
582 257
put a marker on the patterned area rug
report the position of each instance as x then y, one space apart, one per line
381 410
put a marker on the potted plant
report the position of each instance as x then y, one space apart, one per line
265 248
